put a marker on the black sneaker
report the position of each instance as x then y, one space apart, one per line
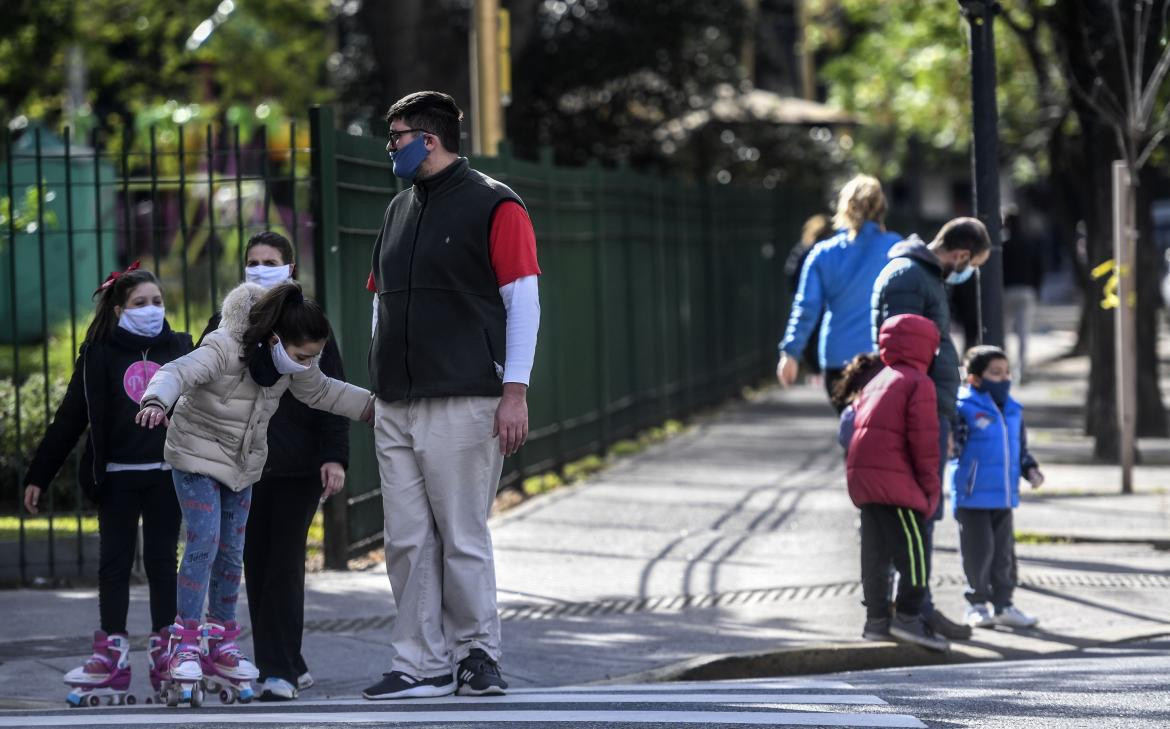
876 629
399 685
479 675
946 627
913 629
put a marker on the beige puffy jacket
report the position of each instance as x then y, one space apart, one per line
219 427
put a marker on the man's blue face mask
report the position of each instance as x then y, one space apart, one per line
408 159
961 277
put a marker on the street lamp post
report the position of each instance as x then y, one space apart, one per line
984 160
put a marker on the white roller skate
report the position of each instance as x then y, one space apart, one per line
225 667
184 673
105 675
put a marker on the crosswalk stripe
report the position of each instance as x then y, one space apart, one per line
196 716
629 698
777 684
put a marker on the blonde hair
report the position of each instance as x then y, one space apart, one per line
860 201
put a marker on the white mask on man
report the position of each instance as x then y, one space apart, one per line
145 321
267 276
285 364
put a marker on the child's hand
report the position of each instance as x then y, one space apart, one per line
1035 477
151 416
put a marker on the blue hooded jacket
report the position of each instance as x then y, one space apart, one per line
992 453
838 279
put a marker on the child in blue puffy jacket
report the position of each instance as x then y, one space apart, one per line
990 455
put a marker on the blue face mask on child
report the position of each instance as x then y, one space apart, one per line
408 159
998 390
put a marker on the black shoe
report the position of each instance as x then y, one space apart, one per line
913 629
876 629
947 628
399 685
479 675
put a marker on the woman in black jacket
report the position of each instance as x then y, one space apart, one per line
122 468
308 451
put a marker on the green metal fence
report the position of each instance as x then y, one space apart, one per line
658 298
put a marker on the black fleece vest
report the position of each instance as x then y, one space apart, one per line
441 322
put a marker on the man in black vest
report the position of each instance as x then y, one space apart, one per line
456 314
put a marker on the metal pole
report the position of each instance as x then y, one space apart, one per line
980 15
488 110
1125 330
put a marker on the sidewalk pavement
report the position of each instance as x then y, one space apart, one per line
737 539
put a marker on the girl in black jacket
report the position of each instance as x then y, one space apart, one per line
122 468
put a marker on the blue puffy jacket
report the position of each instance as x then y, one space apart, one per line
992 453
838 279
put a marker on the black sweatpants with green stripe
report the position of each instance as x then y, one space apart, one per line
892 535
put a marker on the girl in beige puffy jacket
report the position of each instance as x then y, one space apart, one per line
223 395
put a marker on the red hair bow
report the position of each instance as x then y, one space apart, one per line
114 276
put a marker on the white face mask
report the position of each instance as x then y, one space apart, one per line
285 364
145 321
267 276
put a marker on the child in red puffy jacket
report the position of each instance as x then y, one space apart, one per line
892 468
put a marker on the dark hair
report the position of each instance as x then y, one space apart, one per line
980 358
116 294
277 241
433 112
856 375
285 311
967 234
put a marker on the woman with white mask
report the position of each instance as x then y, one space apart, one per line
308 455
122 468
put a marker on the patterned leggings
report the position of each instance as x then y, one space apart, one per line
213 560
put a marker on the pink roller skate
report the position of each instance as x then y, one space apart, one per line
106 673
225 667
182 681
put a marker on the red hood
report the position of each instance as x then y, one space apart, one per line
908 339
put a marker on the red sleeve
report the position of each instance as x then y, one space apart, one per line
512 244
922 436
371 285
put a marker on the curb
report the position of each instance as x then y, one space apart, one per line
825 658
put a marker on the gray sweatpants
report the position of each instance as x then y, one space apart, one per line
986 545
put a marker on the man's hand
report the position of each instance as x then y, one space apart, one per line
512 418
787 370
332 479
1035 477
151 416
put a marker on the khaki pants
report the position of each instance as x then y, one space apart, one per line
440 468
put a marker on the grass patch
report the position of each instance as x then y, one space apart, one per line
1034 538
37 527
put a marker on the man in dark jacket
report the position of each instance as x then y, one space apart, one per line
456 318
914 282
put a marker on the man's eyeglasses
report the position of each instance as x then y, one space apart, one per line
396 135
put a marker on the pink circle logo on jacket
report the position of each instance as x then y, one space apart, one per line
137 377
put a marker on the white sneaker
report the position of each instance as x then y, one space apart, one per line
979 616
305 681
277 689
1013 617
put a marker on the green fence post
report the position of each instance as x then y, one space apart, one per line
328 283
597 177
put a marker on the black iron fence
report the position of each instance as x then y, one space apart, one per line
183 199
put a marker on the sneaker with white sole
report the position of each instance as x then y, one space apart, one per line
876 629
479 675
277 689
1013 617
913 629
399 685
305 681
978 616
